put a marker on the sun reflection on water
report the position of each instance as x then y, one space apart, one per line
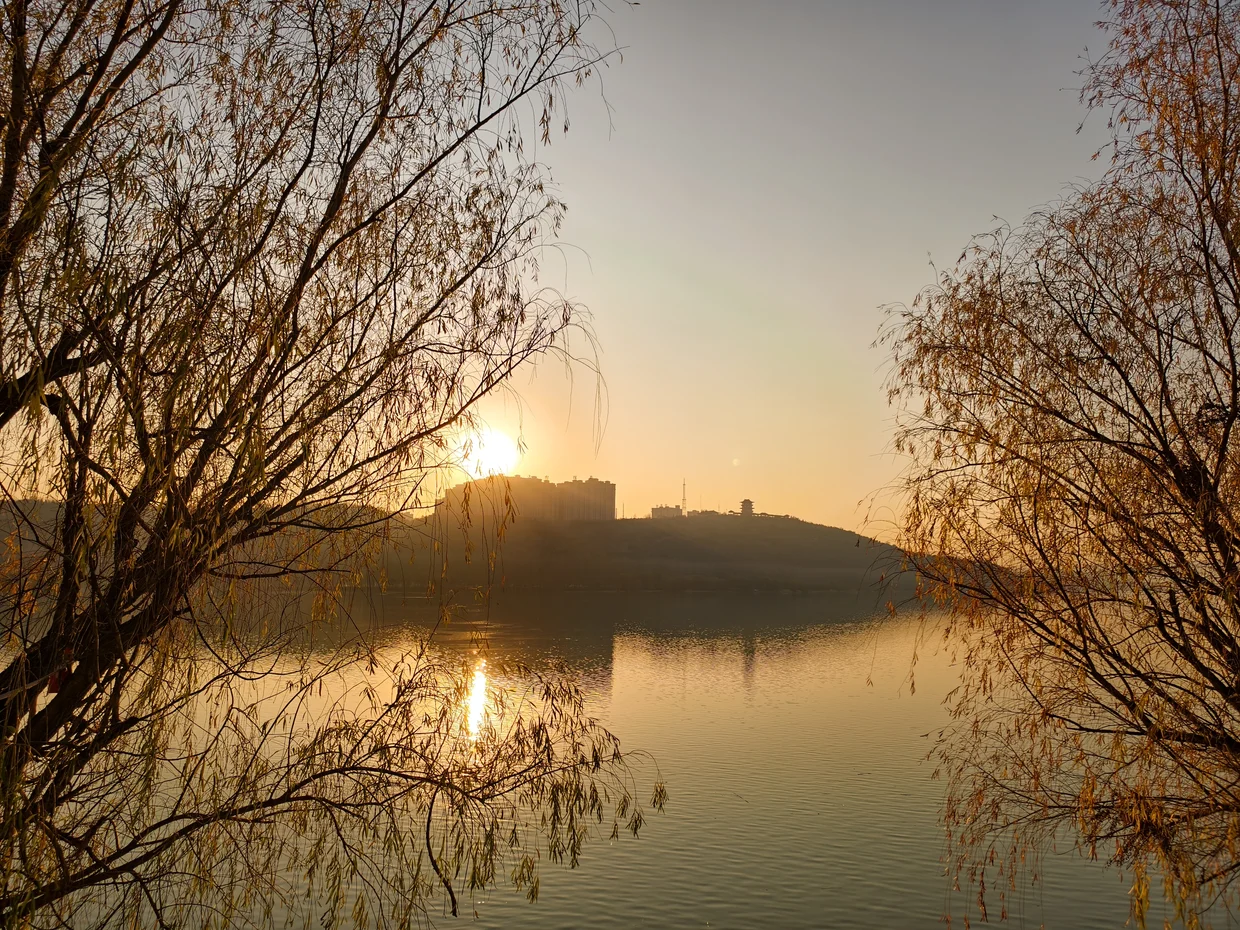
476 705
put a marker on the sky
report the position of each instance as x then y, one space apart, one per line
746 191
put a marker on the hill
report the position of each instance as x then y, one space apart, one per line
702 552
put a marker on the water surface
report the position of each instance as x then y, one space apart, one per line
800 794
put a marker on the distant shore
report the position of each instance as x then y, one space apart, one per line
699 553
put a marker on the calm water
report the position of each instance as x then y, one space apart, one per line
799 794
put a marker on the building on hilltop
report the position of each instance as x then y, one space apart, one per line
591 499
747 508
532 498
664 513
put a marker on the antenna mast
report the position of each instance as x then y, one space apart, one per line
684 499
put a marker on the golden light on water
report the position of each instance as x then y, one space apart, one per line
476 705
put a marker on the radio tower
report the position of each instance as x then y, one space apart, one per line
684 498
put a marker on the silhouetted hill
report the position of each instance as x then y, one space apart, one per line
709 552
702 552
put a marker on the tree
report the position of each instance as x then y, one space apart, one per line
1070 406
256 260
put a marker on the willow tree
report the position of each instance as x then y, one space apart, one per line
255 259
1070 398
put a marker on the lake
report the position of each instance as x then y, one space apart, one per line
800 794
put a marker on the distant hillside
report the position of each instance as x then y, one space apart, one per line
707 552
702 552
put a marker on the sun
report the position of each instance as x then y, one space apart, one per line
488 452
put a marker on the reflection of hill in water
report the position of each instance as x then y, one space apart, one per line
576 630
590 616
711 552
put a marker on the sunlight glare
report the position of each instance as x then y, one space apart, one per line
489 452
476 706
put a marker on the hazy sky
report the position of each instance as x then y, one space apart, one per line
773 173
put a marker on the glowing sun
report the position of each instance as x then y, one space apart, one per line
488 452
